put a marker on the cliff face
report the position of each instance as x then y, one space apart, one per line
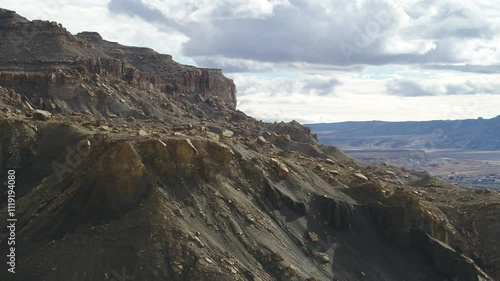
168 75
43 61
143 170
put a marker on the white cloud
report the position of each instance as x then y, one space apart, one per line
446 95
399 46
207 10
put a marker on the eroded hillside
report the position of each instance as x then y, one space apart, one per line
133 167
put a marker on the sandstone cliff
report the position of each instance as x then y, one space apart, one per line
61 72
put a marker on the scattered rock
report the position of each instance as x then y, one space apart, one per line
41 115
177 267
104 128
323 257
250 219
334 172
313 236
142 133
291 271
130 119
330 161
186 127
360 176
227 134
390 173
281 168
261 140
198 241
84 144
319 167
277 257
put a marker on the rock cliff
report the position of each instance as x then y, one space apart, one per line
62 73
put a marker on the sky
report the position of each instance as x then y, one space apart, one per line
316 60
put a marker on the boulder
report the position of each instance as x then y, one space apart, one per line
261 140
104 128
226 134
322 257
333 172
281 168
330 161
220 152
41 115
360 176
313 236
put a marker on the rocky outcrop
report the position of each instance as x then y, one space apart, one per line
42 60
455 265
117 181
295 131
337 213
165 74
396 222
9 17
41 115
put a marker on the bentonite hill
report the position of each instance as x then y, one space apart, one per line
130 166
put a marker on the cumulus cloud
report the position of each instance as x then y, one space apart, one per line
408 88
305 85
234 65
335 32
138 9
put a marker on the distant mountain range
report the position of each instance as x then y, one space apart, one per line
480 134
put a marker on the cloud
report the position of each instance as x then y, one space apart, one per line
261 101
234 65
484 69
135 8
301 32
408 88
436 87
333 32
449 19
320 85
305 85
